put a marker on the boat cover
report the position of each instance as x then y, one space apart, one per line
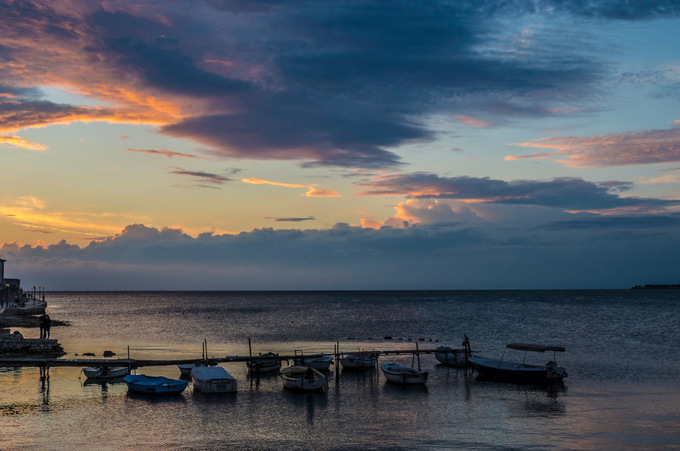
210 372
534 348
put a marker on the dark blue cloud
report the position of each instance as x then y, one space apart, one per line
569 193
346 257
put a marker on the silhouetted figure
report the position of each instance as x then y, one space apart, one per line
41 320
48 324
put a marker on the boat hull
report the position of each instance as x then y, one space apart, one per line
300 378
451 357
26 308
213 380
497 370
105 373
403 375
321 362
358 362
152 385
263 365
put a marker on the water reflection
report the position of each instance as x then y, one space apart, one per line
310 401
176 398
405 390
45 386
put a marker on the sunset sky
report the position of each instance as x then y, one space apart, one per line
340 144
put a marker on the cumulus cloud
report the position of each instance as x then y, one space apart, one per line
566 193
590 252
615 149
334 85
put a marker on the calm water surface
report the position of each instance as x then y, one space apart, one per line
623 359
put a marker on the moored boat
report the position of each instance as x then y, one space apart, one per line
454 357
521 372
155 385
405 375
213 379
105 372
303 378
264 363
185 368
359 360
321 362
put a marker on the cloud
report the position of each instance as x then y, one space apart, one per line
203 177
325 86
35 214
597 252
567 193
22 143
310 218
167 153
312 191
615 149
472 121
259 181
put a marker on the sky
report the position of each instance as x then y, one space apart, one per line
303 145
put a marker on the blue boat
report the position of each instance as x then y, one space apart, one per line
155 385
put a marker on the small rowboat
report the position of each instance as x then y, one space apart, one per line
264 363
321 362
303 378
359 361
155 385
105 372
405 375
451 357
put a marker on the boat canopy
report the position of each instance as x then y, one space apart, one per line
534 348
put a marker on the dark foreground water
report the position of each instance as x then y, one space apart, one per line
623 359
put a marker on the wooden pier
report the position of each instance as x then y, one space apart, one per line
47 362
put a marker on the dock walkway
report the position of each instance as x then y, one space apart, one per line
45 362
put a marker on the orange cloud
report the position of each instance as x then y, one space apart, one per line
259 181
312 190
22 143
367 223
472 121
615 149
33 213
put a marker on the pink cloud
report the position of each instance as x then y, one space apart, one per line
472 121
615 149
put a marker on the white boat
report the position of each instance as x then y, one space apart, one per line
521 372
321 362
451 357
213 379
303 378
105 372
155 385
264 363
359 361
405 375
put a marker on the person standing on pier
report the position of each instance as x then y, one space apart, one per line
48 324
41 320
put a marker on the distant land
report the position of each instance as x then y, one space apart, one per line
656 287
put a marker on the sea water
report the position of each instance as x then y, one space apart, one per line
622 356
